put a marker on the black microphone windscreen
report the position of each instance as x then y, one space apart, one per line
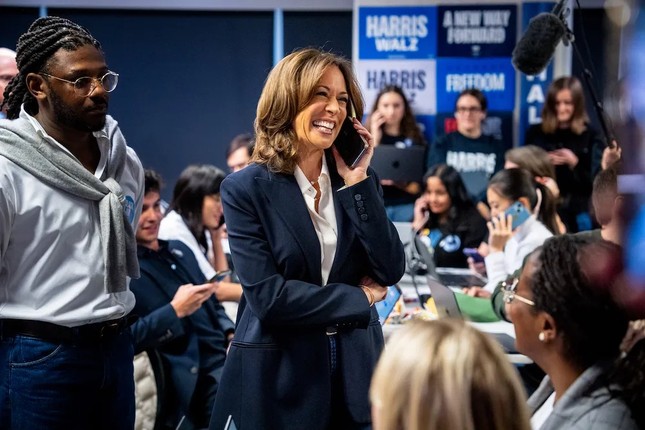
536 47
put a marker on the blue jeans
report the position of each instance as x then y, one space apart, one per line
50 386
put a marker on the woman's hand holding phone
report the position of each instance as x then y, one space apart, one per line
499 232
189 298
377 119
358 173
421 213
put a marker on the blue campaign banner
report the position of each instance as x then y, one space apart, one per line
533 89
426 123
494 76
397 32
476 31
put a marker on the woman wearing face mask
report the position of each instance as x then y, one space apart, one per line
575 149
392 122
195 218
314 251
446 215
509 241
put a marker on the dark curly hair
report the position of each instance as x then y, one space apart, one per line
34 50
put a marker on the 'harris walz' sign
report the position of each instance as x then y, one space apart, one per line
397 32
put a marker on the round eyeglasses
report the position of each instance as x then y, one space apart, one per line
509 287
86 85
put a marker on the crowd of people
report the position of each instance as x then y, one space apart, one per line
255 291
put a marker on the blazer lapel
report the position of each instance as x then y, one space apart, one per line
283 193
345 231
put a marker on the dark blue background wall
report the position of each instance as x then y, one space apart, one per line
189 81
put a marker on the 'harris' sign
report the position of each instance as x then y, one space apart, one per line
397 32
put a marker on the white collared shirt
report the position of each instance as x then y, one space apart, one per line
51 258
325 219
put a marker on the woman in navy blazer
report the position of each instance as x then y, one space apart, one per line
314 250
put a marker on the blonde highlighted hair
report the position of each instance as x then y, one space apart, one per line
579 119
436 375
289 89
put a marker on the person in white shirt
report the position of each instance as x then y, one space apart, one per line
194 217
70 196
509 243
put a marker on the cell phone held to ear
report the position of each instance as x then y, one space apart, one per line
350 145
519 214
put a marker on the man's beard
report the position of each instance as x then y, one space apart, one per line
65 116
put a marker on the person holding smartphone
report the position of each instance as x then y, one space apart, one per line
314 251
445 215
523 216
392 122
195 218
180 318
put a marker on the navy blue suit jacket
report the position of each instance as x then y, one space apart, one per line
277 373
159 327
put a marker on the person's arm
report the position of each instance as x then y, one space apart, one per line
7 211
156 328
279 301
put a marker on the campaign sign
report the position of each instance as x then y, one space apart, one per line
533 89
494 76
415 77
476 31
397 32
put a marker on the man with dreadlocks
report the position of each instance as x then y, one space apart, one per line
70 195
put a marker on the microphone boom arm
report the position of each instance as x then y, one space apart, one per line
587 78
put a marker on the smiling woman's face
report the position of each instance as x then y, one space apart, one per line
318 124
212 211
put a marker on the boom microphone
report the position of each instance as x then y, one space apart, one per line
537 45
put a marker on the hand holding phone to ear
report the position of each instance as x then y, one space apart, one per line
499 232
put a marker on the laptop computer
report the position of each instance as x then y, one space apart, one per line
399 164
447 307
454 277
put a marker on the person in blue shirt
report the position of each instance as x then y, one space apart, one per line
476 156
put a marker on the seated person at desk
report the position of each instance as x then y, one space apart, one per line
392 122
508 245
195 217
567 320
437 375
446 216
179 316
476 156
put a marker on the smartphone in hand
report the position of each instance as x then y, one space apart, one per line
219 276
519 214
349 143
474 254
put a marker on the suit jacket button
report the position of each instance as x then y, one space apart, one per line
361 210
194 370
364 217
358 197
360 203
